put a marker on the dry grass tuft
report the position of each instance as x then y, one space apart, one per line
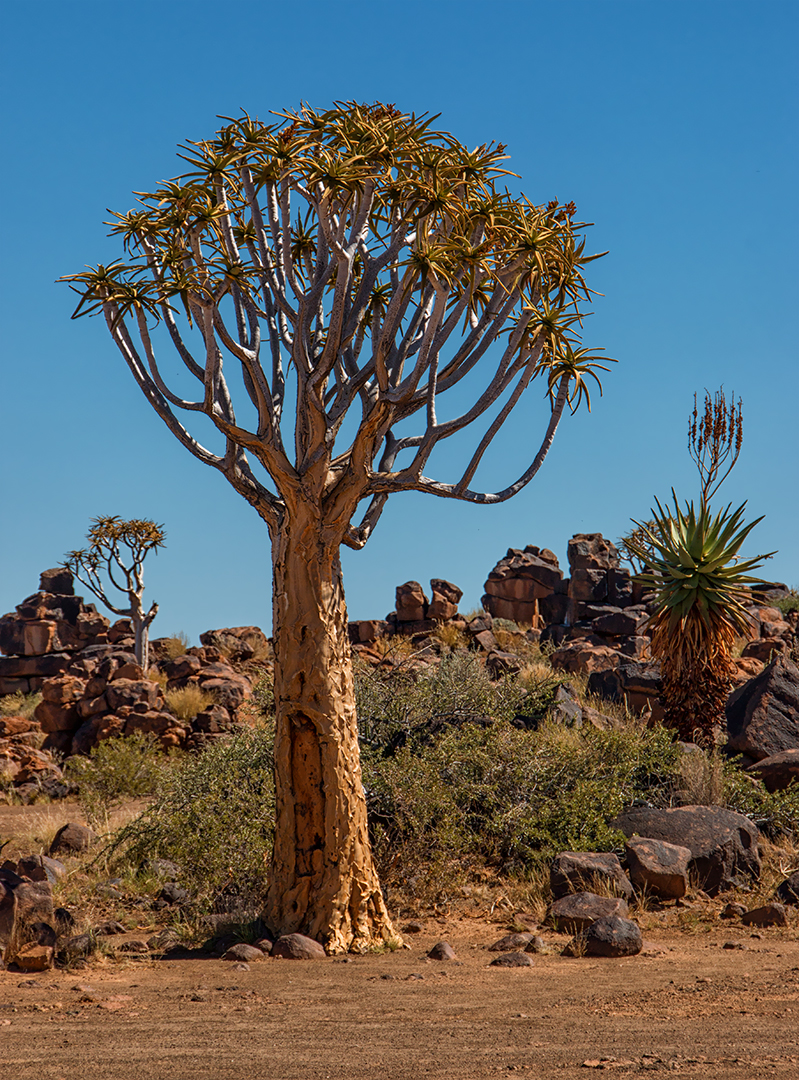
19 704
187 701
176 645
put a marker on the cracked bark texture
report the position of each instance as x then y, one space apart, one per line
323 880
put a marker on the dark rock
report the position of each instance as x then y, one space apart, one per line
788 891
565 709
244 953
733 911
513 960
773 914
723 844
134 946
237 642
658 868
442 950
72 838
173 894
511 941
578 871
621 623
613 936
297 947
577 911
778 770
78 946
591 551
412 928
109 928
502 663
41 868
763 714
58 581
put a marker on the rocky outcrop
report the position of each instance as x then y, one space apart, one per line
520 582
40 638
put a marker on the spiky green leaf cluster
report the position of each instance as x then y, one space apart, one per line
694 565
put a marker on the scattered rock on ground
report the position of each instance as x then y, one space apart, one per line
442 951
577 911
513 960
511 941
71 838
614 936
297 947
773 914
577 871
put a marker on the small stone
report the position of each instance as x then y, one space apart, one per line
767 915
243 952
733 911
611 937
537 945
173 894
734 945
134 946
412 928
107 929
513 960
241 966
442 950
510 942
79 946
265 945
71 838
297 947
34 957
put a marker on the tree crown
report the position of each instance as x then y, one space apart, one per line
372 259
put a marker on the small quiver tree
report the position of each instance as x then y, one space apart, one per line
116 554
352 267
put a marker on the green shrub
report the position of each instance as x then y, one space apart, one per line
214 817
788 603
127 767
400 709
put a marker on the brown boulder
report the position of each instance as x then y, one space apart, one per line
658 868
411 602
778 770
579 657
723 844
297 947
446 598
591 551
763 714
577 911
576 871
72 837
131 692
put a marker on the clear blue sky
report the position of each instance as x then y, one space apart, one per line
672 125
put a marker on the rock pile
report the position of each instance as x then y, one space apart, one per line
40 639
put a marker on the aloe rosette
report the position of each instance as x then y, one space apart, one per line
701 592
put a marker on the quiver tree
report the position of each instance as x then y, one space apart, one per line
116 554
690 557
341 272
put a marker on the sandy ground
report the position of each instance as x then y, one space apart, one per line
686 1006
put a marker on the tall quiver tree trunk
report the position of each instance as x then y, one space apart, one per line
323 881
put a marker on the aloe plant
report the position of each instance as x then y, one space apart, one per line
701 594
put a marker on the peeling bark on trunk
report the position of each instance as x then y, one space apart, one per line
323 882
